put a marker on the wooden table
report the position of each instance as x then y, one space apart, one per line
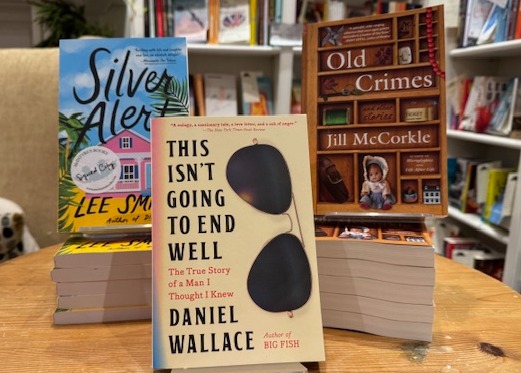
477 329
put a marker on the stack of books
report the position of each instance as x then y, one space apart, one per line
103 280
377 278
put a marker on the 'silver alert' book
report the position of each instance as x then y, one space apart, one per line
108 91
234 259
374 93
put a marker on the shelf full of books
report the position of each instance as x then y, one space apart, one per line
257 80
249 22
484 116
486 22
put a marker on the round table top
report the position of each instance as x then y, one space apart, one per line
477 328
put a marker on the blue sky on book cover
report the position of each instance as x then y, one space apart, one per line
109 91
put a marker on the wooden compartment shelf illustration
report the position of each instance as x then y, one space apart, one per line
378 87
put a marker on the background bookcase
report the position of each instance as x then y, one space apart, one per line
18 29
282 64
493 59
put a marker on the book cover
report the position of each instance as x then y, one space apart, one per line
374 93
497 179
458 180
458 90
234 22
88 252
484 98
482 181
220 95
491 27
191 20
502 120
256 90
501 33
468 199
108 91
501 211
234 260
476 15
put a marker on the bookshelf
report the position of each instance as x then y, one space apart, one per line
500 59
276 62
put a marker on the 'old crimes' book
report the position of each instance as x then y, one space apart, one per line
108 91
234 261
374 93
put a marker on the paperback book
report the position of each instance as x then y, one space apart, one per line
399 274
377 278
487 95
108 91
220 95
102 314
103 279
139 285
378 289
90 252
374 93
102 273
191 20
417 331
385 242
234 260
123 298
256 92
234 22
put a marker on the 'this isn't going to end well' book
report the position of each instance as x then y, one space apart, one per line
109 90
234 261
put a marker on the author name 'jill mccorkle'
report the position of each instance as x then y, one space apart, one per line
382 138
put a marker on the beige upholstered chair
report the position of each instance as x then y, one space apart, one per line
28 137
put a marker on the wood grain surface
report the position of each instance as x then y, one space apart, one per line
477 328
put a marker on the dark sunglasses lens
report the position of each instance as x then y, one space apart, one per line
260 176
280 277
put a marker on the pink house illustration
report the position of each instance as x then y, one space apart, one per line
133 151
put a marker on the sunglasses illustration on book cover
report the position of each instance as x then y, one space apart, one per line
280 277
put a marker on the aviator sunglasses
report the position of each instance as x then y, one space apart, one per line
280 277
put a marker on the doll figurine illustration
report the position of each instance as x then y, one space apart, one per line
376 191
